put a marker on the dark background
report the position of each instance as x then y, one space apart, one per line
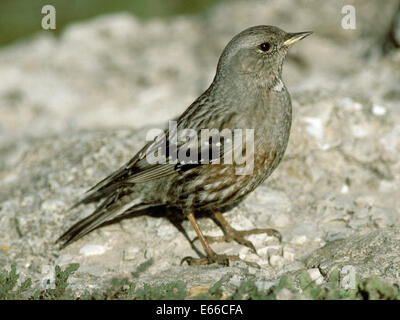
20 18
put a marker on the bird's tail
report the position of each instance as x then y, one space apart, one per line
109 209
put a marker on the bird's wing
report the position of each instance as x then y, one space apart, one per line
140 170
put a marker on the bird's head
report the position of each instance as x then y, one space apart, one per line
257 53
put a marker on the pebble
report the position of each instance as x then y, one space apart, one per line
378 110
92 250
315 275
276 261
288 254
348 277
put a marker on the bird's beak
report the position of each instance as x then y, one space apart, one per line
294 37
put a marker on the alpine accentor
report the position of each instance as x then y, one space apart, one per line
246 93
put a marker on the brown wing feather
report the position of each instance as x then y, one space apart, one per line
139 170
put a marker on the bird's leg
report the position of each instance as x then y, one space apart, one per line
211 257
232 234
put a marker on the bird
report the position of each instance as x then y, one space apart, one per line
247 95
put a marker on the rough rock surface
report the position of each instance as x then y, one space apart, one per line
75 108
361 253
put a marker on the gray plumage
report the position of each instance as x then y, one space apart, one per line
247 92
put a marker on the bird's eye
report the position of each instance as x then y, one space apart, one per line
265 46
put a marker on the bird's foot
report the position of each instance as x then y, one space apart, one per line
221 259
232 234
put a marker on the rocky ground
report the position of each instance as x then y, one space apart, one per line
75 108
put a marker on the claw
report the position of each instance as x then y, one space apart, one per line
238 236
229 235
221 259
